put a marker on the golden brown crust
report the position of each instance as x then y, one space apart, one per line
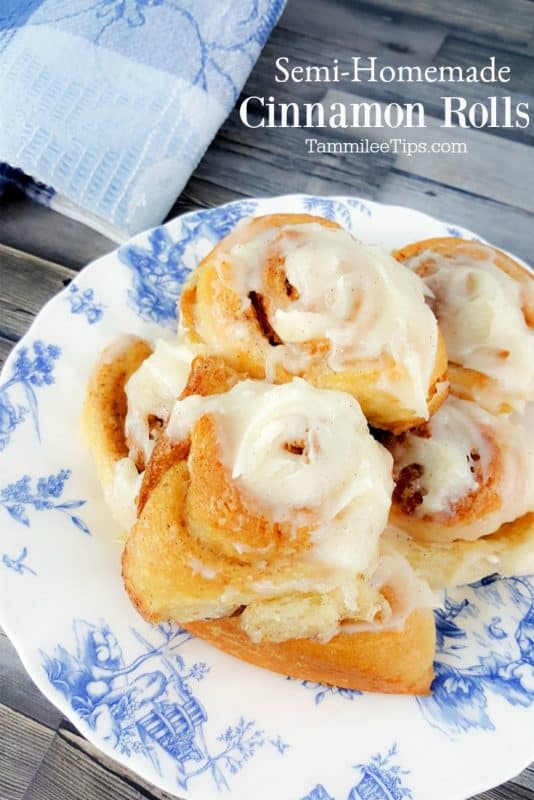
210 308
104 409
509 551
162 555
166 453
158 577
172 574
214 503
386 661
452 246
388 414
209 375
466 383
169 555
452 524
179 561
206 300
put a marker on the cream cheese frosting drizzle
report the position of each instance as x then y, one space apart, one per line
122 492
355 296
410 593
153 389
446 456
151 392
461 449
479 309
303 455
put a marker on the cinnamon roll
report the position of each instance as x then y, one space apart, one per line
484 302
103 417
462 475
283 491
509 551
129 397
257 513
293 295
260 512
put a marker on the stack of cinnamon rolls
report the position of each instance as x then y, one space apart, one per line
335 431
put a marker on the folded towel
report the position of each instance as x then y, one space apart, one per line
106 106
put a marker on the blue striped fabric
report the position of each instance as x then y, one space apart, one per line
107 106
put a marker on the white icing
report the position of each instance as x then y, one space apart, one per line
241 547
267 588
457 429
479 309
410 593
525 419
445 456
122 493
340 485
202 569
117 348
152 390
351 294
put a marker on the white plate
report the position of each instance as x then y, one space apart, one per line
181 714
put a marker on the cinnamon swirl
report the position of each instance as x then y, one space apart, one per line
261 536
484 302
287 295
261 513
130 394
462 475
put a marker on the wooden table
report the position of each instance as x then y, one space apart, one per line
42 757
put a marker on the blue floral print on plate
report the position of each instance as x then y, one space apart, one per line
188 718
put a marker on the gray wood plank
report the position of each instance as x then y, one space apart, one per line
17 690
70 772
202 193
269 163
42 232
508 791
72 737
344 22
5 348
458 51
526 779
513 22
503 226
27 283
306 50
490 168
23 744
521 48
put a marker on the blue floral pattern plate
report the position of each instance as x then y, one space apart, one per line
190 719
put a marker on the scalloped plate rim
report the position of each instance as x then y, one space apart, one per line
23 646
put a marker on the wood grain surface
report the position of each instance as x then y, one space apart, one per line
42 757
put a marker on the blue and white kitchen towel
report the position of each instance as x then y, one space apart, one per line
108 105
